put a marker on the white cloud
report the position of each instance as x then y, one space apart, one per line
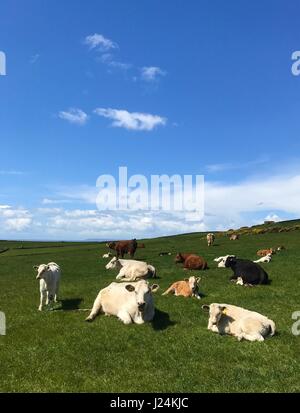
47 201
221 167
99 41
74 115
108 59
272 217
4 206
131 120
17 224
151 73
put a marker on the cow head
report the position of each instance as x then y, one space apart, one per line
222 261
111 245
230 261
113 263
42 270
193 282
215 312
179 258
143 292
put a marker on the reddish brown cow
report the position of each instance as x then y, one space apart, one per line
123 247
191 261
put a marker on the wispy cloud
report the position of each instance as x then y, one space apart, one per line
227 166
34 58
47 201
11 172
100 42
74 115
152 73
109 60
131 120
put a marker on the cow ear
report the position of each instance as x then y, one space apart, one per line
186 279
35 267
129 287
154 287
223 309
205 307
198 279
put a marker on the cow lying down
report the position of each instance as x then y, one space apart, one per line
131 270
239 322
131 303
186 288
248 271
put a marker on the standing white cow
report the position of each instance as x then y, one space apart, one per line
210 239
131 270
131 303
49 276
239 322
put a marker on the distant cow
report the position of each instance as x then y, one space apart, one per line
186 288
191 261
234 237
161 254
123 247
250 272
239 322
109 254
263 253
131 303
131 270
49 277
210 239
266 258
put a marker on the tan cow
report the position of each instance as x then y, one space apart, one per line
186 288
210 239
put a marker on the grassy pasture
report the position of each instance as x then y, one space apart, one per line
56 351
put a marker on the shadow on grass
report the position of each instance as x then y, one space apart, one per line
161 320
70 304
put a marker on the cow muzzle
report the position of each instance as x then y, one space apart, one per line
141 307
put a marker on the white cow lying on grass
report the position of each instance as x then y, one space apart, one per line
238 322
221 260
109 254
266 258
131 303
131 270
49 276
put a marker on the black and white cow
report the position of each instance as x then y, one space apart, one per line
250 272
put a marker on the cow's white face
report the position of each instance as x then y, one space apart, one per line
215 313
142 291
193 282
41 271
112 263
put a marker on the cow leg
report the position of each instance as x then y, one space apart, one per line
197 295
43 299
124 317
251 337
169 290
96 309
122 274
56 293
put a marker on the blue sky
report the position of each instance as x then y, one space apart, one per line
212 79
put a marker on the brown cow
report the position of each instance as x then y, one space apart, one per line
191 261
263 253
123 247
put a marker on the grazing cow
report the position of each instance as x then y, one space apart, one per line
210 239
187 288
131 270
131 303
109 254
191 261
161 254
49 276
221 260
234 237
263 253
280 248
123 247
266 258
250 272
239 322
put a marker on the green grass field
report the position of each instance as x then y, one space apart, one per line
56 351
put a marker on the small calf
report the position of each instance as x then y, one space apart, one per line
263 253
186 288
49 277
